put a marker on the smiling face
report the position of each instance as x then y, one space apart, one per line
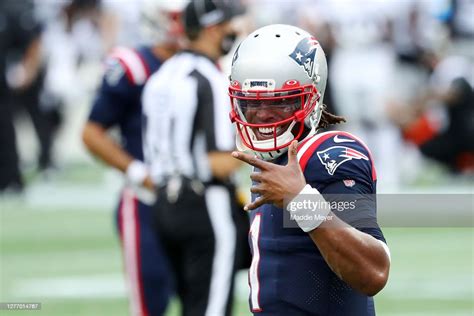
268 112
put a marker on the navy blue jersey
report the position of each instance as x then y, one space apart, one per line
289 276
118 101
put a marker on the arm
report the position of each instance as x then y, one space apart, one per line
23 74
110 107
31 63
99 143
356 257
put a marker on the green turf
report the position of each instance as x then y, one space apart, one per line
431 274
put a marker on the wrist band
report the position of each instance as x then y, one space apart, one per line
309 209
137 171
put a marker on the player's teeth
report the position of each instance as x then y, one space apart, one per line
269 130
265 130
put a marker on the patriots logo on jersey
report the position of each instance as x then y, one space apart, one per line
335 156
304 54
114 72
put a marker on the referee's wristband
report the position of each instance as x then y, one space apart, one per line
308 209
136 172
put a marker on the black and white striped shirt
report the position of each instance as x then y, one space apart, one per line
186 106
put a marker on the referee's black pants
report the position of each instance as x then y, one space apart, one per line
199 233
10 176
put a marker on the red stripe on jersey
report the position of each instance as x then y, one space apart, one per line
356 154
120 221
133 63
300 144
323 137
309 152
145 65
131 252
374 173
128 73
143 308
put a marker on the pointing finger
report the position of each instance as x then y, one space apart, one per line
251 160
255 204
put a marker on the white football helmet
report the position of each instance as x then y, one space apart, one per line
277 84
160 21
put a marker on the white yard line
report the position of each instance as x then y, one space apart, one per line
112 286
73 287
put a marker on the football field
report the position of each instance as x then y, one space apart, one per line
58 248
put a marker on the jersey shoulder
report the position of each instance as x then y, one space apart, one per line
336 155
126 67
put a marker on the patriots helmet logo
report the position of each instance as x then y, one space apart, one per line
304 54
335 156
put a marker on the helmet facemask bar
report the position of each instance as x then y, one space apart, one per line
306 97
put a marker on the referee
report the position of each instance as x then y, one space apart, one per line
188 140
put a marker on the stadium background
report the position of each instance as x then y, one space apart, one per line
57 240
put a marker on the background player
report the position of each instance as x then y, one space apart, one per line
19 38
118 104
447 138
327 267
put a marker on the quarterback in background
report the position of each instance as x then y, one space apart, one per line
118 104
337 259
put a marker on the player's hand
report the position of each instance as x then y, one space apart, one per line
148 183
274 183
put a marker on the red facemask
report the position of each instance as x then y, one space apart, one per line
261 115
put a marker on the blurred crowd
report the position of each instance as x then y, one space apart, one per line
401 72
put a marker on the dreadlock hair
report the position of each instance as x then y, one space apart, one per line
328 119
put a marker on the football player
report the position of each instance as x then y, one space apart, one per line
118 104
337 259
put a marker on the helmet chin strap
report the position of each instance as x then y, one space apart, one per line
310 134
284 138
